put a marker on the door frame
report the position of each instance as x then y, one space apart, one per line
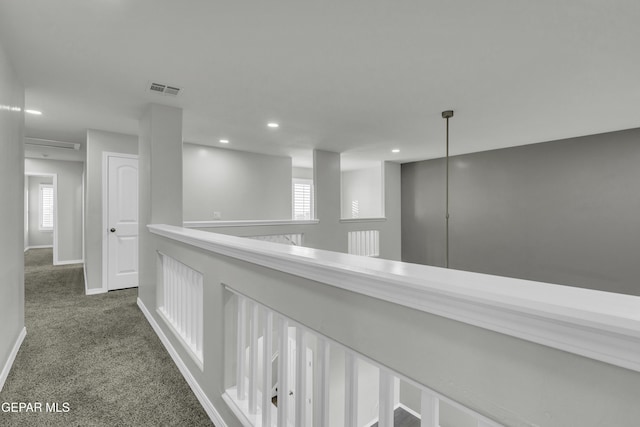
105 212
54 177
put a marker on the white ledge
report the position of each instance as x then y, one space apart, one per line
363 219
600 325
247 223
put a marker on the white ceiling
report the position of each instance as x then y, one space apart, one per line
357 77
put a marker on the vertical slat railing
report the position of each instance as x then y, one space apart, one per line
255 320
253 357
385 402
283 372
240 357
267 375
181 303
351 390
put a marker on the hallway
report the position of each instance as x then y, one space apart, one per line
95 356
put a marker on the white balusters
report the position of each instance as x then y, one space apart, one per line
430 410
321 383
365 242
310 405
386 401
253 357
241 346
283 372
267 375
351 389
301 377
181 303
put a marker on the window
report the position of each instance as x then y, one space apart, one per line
46 207
302 199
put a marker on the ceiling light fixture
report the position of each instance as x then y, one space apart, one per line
224 141
395 150
447 115
34 112
273 125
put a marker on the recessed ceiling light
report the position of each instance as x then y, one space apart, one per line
273 125
395 150
36 112
224 141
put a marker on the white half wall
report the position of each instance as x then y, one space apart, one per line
237 184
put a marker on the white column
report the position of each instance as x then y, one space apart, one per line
253 357
283 373
351 390
385 407
240 357
429 410
321 384
267 375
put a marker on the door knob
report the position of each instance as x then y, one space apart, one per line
113 230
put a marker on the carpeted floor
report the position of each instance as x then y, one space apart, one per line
96 354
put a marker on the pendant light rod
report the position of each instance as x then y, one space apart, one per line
447 115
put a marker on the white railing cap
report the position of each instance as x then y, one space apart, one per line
600 325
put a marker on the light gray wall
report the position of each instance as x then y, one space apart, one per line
11 209
365 186
69 209
331 233
564 212
99 142
239 185
36 236
302 173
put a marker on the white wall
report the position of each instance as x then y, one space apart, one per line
36 236
97 143
11 213
69 208
365 187
239 185
331 233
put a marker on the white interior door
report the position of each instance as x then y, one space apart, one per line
122 233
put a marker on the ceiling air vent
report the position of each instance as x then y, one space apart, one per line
163 89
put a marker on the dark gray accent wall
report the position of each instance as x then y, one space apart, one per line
565 212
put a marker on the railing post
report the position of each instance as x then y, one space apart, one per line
429 410
267 375
253 357
385 403
351 390
240 357
283 373
301 377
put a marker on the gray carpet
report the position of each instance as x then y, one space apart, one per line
96 353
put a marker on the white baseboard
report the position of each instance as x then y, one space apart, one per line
95 291
73 261
39 247
197 390
12 356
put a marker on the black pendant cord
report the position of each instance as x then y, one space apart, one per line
446 115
